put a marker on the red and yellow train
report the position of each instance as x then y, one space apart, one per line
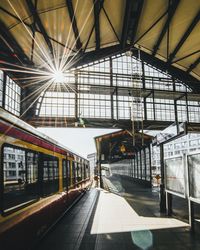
39 180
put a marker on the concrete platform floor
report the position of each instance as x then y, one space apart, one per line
129 218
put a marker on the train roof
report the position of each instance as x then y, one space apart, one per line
25 126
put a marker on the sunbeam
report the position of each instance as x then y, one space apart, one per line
50 70
66 64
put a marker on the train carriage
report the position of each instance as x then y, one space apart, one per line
39 180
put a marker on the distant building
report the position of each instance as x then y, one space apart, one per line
184 145
92 158
14 164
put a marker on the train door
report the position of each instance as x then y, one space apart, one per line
66 174
49 174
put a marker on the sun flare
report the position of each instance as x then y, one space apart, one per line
58 76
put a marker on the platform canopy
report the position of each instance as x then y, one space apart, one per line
120 145
41 34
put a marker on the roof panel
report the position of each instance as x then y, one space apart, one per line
91 44
59 18
151 12
41 50
196 72
43 5
150 39
183 17
107 35
17 8
25 40
191 44
186 62
180 22
116 19
85 20
186 12
55 19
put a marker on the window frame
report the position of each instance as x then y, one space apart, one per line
2 189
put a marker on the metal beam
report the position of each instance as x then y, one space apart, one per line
34 13
31 27
191 54
74 24
137 15
93 27
184 37
173 71
95 55
97 8
29 100
96 122
106 14
193 65
126 22
116 49
12 46
172 9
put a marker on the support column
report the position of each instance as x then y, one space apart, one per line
175 111
131 167
154 108
4 90
100 176
137 165
143 76
150 166
76 95
169 204
191 216
140 155
145 164
187 109
111 85
1 179
99 163
145 108
162 185
117 112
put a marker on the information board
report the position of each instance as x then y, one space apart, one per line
194 175
174 174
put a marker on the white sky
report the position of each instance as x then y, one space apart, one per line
79 140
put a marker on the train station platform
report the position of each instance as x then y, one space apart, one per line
125 217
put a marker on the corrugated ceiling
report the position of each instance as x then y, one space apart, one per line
105 23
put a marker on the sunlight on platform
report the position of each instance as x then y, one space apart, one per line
114 214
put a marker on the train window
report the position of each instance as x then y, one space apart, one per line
83 171
87 171
65 170
73 173
32 167
20 177
79 172
50 174
68 172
